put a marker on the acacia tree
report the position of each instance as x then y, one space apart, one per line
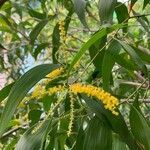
91 89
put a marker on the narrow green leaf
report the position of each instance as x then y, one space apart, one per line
36 14
39 48
98 135
5 91
134 56
139 128
99 45
20 89
34 141
142 21
80 7
106 9
80 139
118 144
108 63
37 29
145 55
34 116
122 14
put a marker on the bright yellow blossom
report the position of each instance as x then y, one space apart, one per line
55 73
38 91
110 102
54 90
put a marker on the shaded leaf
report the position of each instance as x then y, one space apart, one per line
39 48
108 63
37 29
134 56
35 140
122 14
139 127
36 14
34 116
118 144
106 9
80 7
98 135
5 91
116 123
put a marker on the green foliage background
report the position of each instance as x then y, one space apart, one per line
104 43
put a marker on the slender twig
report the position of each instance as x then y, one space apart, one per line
12 131
137 16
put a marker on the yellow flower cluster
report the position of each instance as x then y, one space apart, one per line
55 73
54 89
62 31
40 91
109 101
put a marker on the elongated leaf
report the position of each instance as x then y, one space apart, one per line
106 9
139 128
20 89
134 56
79 6
94 49
122 14
35 140
98 135
5 91
39 48
117 123
145 55
142 21
117 143
37 29
36 14
108 63
80 139
91 41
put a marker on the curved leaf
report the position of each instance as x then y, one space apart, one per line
37 29
117 143
34 141
122 14
139 128
134 56
20 89
106 9
80 6
108 63
5 91
98 135
117 123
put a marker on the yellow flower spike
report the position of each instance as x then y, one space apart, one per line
38 92
55 89
110 102
55 73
